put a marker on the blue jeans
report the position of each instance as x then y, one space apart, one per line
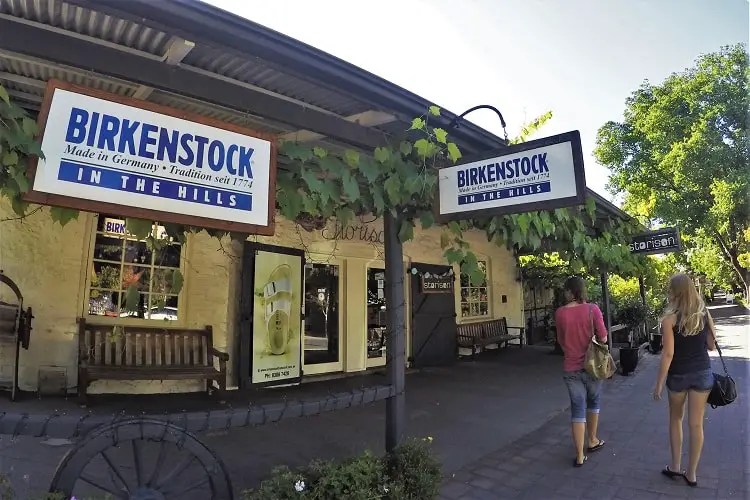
702 381
585 393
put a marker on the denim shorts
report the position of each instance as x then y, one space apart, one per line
585 393
702 380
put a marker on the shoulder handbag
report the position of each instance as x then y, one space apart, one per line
598 362
724 391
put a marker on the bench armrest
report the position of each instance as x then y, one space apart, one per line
221 355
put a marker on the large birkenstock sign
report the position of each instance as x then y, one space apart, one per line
537 175
107 153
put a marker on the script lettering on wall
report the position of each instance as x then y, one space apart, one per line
353 232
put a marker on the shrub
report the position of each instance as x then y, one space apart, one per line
410 473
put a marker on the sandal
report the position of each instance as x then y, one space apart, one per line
670 473
598 446
576 463
692 484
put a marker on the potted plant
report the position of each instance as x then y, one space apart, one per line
632 316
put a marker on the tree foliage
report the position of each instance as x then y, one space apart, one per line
680 156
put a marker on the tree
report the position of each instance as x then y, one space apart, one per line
680 156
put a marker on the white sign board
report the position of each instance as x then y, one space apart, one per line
105 151
536 175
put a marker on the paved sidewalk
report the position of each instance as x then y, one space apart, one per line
539 466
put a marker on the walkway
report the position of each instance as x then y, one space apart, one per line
538 466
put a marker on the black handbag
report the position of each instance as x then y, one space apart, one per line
724 391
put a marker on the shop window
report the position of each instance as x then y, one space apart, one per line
475 301
376 313
120 260
321 313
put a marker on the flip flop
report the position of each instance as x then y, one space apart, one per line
598 446
692 484
577 464
670 473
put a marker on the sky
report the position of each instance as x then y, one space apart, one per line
578 58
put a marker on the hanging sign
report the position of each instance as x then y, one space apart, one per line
661 241
106 153
436 284
536 175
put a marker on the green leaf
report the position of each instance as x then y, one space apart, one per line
435 111
344 215
523 223
320 152
310 177
19 206
423 147
177 281
369 169
591 208
562 214
453 152
20 177
414 185
534 240
29 127
332 165
427 219
63 215
290 201
351 158
132 298
10 158
139 228
441 135
406 148
393 189
350 185
455 228
417 124
406 231
382 154
295 151
378 198
453 255
4 95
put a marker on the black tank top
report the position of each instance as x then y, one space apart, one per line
690 351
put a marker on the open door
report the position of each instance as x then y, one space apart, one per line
433 316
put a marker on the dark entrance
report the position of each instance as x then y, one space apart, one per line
433 322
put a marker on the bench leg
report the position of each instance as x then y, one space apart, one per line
83 384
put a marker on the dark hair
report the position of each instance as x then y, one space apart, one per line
577 288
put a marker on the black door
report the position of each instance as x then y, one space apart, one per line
433 321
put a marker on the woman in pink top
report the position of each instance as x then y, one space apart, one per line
574 333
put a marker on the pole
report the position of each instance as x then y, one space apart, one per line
607 312
395 406
642 288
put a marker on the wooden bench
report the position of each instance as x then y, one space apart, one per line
107 352
484 333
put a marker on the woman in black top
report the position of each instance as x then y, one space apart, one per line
688 334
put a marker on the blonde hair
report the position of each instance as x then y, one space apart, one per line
685 301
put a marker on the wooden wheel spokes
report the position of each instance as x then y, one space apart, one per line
126 472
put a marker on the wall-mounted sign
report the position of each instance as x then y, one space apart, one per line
437 284
661 241
537 175
106 153
276 340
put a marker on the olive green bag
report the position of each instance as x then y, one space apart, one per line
598 363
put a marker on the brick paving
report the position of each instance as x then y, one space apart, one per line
539 465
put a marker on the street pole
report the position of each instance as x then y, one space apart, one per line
395 406
642 288
607 312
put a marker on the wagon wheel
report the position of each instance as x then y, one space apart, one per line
142 477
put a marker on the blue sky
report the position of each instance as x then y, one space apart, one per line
578 58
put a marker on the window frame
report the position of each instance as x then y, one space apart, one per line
130 320
488 290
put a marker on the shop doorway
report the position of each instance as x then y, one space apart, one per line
323 319
433 321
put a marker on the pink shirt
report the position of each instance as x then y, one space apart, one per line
574 332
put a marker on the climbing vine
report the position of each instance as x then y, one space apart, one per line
315 184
